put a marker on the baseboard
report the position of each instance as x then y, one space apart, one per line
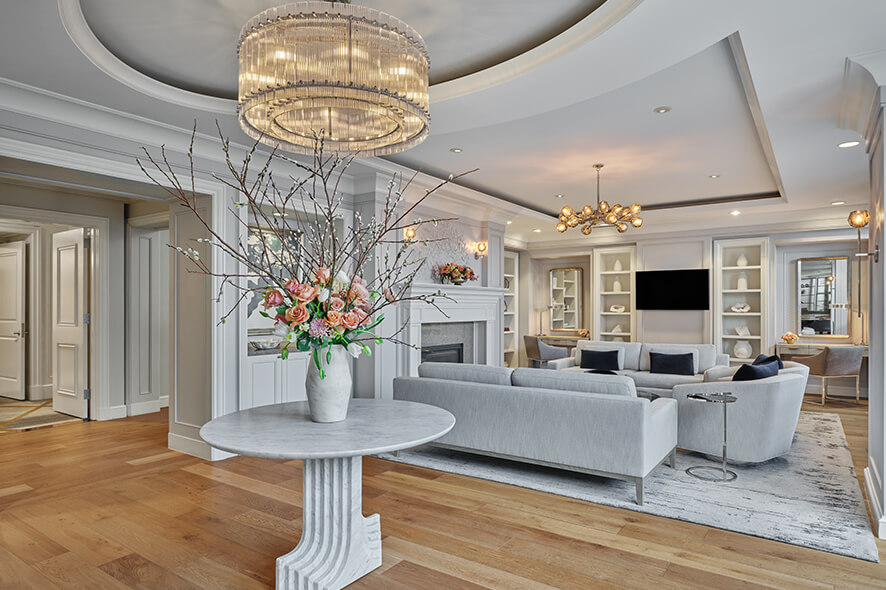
164 401
879 519
111 413
39 392
197 448
148 407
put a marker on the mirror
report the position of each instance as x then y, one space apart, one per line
565 302
823 296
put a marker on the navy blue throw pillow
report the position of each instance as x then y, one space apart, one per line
601 372
604 360
754 372
671 364
763 359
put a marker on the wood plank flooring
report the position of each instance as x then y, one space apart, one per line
105 505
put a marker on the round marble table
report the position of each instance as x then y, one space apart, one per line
338 544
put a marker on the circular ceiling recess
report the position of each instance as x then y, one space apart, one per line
193 45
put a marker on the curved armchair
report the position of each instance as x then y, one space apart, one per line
539 353
834 361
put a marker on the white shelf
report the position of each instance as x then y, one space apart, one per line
511 342
622 313
508 276
615 292
735 314
742 291
615 333
614 272
510 313
605 278
509 350
736 337
749 267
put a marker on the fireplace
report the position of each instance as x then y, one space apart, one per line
443 353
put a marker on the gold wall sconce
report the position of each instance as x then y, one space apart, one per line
859 219
481 249
409 234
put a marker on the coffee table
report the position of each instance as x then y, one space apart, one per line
338 544
706 472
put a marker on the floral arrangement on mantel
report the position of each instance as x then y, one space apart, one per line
583 333
455 273
318 294
789 337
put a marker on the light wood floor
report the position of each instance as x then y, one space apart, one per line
106 505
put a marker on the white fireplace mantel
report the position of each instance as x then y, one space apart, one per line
462 303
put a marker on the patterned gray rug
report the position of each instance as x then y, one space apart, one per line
809 497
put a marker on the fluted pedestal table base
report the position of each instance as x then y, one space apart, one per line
338 544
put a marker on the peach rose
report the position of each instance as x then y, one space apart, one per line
298 314
333 318
358 291
350 320
335 303
306 293
362 315
322 275
273 298
291 286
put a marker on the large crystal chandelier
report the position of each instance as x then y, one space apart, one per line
355 75
588 217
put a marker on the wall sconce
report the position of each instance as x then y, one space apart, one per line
409 234
859 219
480 250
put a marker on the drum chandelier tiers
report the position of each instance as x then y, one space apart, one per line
354 74
588 217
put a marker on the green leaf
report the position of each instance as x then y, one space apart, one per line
264 313
284 354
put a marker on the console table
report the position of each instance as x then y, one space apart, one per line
807 348
338 544
569 342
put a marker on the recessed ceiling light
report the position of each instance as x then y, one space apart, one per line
510 222
455 150
735 212
536 230
559 196
714 176
661 110
847 144
838 202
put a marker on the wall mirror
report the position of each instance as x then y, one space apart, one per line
565 302
823 296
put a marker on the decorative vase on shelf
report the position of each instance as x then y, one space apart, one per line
616 286
457 281
742 260
742 349
617 266
329 396
742 282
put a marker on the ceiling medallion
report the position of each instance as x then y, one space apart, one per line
588 217
355 74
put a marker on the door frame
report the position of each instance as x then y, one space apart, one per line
99 285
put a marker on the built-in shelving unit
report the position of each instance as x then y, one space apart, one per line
614 286
566 293
510 323
741 276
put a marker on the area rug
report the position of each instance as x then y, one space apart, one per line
810 497
27 415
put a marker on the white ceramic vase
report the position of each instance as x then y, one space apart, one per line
742 349
616 286
328 398
617 266
742 260
742 283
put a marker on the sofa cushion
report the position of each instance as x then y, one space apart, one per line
465 372
754 372
672 364
660 380
574 381
705 354
630 351
601 359
762 359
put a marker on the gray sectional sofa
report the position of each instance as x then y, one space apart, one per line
581 422
634 363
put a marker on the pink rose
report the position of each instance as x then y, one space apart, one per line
291 286
350 320
333 318
273 298
362 315
322 275
358 291
335 303
297 315
306 293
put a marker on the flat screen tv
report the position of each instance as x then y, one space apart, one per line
673 289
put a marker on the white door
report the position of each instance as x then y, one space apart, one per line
12 320
70 338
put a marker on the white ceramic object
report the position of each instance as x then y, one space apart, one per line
742 349
742 283
617 329
741 307
742 260
617 308
742 331
616 286
617 266
329 397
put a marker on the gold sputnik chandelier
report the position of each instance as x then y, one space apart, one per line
588 217
354 74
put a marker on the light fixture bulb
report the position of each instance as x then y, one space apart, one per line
848 144
735 212
562 227
567 211
637 221
409 233
611 218
859 218
621 226
586 230
635 208
604 206
481 247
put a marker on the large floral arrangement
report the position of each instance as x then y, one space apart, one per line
455 273
320 293
789 337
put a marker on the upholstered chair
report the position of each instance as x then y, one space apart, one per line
539 353
834 361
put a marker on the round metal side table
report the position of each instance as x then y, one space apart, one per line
707 472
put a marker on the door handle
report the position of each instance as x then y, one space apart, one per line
20 333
